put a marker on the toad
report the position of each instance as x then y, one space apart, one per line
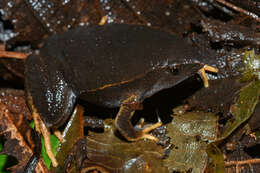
115 65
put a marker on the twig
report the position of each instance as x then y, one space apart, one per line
242 162
16 55
252 15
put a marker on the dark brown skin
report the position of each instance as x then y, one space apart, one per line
115 65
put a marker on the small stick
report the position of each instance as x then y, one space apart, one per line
228 4
242 162
16 55
57 133
41 128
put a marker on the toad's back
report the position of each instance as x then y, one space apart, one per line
96 56
105 65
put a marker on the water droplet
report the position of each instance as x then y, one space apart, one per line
110 20
10 4
65 2
167 13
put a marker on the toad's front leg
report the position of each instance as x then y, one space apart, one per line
124 125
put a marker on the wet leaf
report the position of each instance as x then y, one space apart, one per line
216 160
15 144
109 152
190 134
245 150
251 66
72 133
257 134
16 130
227 33
243 107
14 100
254 121
218 97
33 20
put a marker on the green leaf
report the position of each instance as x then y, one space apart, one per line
216 161
114 154
243 108
54 145
3 158
73 131
251 66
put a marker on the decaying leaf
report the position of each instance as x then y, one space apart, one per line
16 131
33 20
218 97
190 133
230 33
117 155
241 151
108 153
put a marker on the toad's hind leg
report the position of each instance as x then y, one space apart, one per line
124 125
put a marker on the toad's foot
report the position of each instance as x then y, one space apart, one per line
41 128
124 125
143 134
203 75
